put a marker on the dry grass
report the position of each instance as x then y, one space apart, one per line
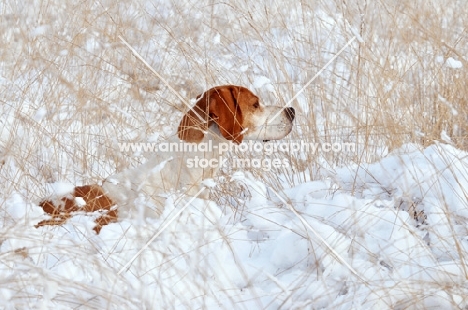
70 90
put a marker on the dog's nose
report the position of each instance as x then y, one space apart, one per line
291 113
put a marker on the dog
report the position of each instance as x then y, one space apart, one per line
228 114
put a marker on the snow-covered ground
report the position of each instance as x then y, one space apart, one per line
382 228
401 237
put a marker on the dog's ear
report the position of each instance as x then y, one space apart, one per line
195 122
226 112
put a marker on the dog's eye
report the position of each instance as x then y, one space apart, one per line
256 105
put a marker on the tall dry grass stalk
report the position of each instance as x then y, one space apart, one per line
70 90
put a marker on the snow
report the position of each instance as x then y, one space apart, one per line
60 188
389 233
267 256
260 81
38 31
217 39
453 63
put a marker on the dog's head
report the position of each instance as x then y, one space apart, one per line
238 114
